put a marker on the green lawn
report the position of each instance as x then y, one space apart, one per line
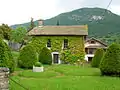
64 77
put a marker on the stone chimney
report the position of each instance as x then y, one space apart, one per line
40 22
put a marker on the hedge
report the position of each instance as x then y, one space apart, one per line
97 58
6 58
110 64
28 57
45 56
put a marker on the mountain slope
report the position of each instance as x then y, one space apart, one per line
101 22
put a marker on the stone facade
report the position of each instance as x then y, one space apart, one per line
4 80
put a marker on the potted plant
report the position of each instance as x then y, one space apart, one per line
38 67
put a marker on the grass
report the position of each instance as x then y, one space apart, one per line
64 77
15 55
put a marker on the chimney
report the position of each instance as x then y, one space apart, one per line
40 22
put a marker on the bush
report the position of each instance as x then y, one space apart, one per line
6 58
45 56
38 64
97 58
110 64
27 57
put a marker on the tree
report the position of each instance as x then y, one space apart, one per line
18 34
97 58
5 31
28 57
45 56
58 23
6 59
110 64
32 25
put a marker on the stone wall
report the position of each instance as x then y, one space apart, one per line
4 80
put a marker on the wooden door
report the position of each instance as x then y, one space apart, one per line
55 58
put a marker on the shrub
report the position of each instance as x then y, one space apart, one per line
97 58
110 64
38 64
6 58
27 57
45 56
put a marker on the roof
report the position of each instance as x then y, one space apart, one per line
97 41
102 45
59 30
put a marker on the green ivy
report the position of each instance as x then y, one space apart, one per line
74 52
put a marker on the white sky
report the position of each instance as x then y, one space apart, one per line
21 11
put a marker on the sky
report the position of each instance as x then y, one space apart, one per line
21 11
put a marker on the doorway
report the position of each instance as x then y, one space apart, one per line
55 58
90 59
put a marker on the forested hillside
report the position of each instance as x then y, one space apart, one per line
102 23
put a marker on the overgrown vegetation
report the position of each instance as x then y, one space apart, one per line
97 58
6 59
28 57
110 64
74 52
45 56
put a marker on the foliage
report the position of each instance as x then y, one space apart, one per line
6 59
5 31
45 56
18 34
110 64
38 64
27 57
74 52
68 57
97 58
15 57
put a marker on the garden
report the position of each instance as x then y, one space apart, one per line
64 77
25 73
70 76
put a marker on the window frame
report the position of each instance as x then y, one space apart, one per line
49 43
65 44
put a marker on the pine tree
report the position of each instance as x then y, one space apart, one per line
97 58
110 64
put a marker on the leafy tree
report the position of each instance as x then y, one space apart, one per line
18 34
6 59
5 31
97 58
45 56
28 57
110 64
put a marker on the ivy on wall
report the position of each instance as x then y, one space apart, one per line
75 49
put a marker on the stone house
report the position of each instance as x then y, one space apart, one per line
65 42
90 47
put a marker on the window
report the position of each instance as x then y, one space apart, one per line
92 42
91 50
65 43
49 43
